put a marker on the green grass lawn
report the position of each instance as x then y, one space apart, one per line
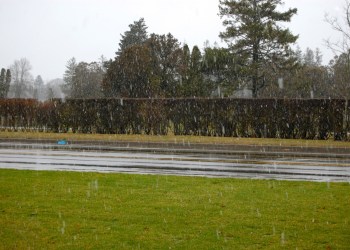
62 210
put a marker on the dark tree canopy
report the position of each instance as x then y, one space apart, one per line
87 80
193 82
83 80
2 83
223 69
166 54
340 69
137 35
129 74
147 70
254 34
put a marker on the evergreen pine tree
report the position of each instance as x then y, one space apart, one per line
2 83
196 87
68 76
137 35
253 33
7 82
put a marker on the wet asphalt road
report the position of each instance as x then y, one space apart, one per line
280 163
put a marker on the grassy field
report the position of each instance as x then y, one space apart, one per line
172 138
62 210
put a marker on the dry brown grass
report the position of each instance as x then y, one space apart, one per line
172 138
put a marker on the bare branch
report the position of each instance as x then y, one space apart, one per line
343 46
348 13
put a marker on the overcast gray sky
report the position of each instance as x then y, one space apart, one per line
49 32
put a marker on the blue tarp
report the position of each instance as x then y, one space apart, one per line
62 142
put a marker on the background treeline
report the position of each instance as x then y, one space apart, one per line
268 118
159 66
18 82
259 60
183 72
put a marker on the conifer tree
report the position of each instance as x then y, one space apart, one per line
195 85
137 35
7 82
68 76
2 83
253 33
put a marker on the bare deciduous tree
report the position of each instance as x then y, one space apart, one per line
21 78
343 27
340 65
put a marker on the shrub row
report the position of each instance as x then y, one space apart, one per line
270 118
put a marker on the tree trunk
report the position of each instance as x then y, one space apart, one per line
255 87
255 77
345 120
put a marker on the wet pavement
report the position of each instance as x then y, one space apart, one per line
233 161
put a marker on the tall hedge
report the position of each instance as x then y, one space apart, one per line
268 118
